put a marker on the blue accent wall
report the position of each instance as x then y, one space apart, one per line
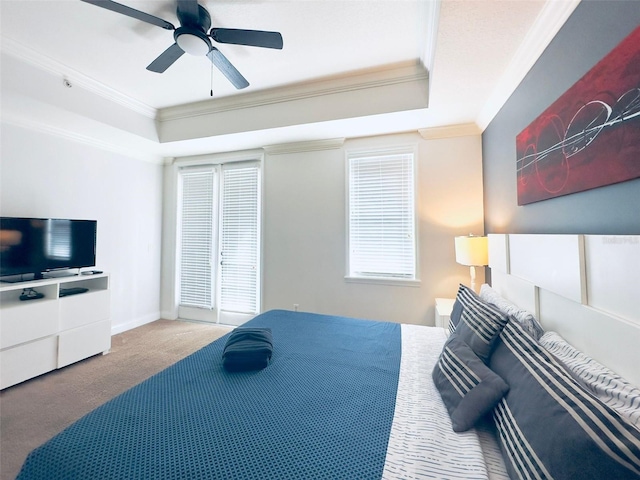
592 31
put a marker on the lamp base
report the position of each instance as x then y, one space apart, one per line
472 271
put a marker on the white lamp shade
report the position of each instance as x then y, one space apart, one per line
472 251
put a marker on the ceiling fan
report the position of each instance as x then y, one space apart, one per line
193 36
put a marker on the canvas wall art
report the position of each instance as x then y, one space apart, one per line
590 136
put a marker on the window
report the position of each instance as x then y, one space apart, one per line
219 237
381 216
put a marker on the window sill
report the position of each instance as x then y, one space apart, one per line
397 282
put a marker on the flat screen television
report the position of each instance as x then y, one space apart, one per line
37 245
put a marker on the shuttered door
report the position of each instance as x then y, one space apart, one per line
240 239
197 238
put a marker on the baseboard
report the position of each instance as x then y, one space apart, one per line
169 315
138 322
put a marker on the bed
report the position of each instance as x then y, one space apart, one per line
352 398
323 408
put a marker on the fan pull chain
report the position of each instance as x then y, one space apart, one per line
212 79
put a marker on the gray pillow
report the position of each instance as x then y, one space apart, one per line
480 323
549 426
468 388
454 318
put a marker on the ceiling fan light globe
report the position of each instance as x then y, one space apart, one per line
193 44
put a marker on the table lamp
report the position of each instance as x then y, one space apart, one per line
474 252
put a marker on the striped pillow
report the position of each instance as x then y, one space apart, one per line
524 318
608 386
549 426
454 318
480 322
468 388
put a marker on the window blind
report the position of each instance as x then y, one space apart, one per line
197 239
382 216
240 239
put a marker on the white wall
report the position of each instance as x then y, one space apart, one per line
42 175
304 231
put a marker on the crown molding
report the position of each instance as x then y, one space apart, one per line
83 139
450 131
310 146
250 155
551 18
392 75
430 12
25 54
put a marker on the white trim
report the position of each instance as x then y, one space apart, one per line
310 146
78 138
137 322
37 59
407 72
253 155
409 147
428 27
384 281
166 315
551 18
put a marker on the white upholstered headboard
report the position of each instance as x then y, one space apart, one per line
585 287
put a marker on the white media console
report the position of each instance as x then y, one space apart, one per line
43 334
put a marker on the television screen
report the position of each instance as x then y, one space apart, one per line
36 245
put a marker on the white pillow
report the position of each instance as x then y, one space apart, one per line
523 317
608 386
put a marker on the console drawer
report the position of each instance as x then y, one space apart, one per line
83 342
28 360
28 321
84 309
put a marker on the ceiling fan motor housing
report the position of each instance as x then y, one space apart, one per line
203 22
191 36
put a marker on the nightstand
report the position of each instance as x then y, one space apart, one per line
443 311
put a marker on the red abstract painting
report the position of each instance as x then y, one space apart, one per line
590 136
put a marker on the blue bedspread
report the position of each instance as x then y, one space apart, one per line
323 408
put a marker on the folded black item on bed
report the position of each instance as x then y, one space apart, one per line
247 349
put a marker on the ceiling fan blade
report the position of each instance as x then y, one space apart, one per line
166 59
228 70
188 12
253 38
131 12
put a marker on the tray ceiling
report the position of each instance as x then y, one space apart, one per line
469 50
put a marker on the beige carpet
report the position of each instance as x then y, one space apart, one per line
34 411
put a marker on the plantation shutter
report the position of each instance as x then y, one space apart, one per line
197 239
382 216
240 239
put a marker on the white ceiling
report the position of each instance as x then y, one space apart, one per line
476 52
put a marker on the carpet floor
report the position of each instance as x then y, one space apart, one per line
34 411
